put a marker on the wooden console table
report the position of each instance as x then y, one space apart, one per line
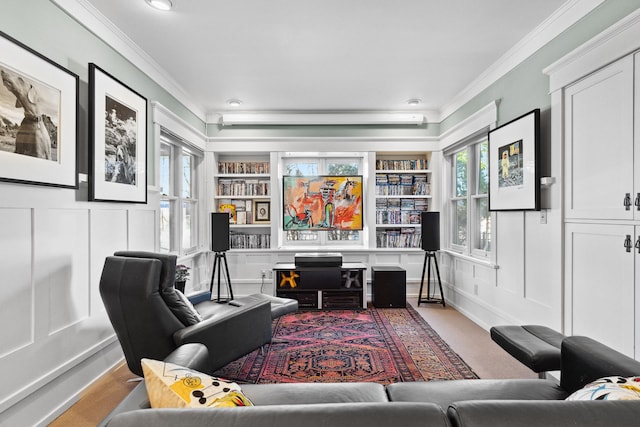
319 287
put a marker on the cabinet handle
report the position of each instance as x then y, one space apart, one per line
627 201
637 202
627 243
637 245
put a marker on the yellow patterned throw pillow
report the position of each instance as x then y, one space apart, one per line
174 386
609 388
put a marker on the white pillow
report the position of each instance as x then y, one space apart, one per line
609 388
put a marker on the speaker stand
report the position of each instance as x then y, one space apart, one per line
429 257
220 262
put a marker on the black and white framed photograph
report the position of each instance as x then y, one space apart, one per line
262 211
514 172
118 140
38 118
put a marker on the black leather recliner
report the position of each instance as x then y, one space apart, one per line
135 288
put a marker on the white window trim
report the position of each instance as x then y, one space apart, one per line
195 139
197 169
453 140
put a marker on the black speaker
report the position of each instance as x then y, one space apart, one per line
430 231
219 231
388 286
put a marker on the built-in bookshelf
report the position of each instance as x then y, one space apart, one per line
403 192
243 188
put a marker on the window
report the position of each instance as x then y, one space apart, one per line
470 219
179 202
323 166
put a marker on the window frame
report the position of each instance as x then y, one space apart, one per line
176 199
472 146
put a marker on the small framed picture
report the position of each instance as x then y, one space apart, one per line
514 170
261 211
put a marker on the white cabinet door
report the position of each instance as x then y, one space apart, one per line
599 143
636 154
600 284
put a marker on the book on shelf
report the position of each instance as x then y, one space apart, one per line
404 237
228 167
243 187
402 165
249 241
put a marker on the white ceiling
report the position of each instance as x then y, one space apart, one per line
330 55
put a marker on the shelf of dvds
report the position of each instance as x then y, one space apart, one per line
403 191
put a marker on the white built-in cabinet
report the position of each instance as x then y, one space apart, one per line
602 205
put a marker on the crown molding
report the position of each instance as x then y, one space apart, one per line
571 12
567 15
89 17
620 39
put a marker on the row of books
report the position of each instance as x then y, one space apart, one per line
243 187
243 167
402 165
399 238
249 241
402 185
397 217
396 204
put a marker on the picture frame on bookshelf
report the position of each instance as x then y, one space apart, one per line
230 209
261 211
514 171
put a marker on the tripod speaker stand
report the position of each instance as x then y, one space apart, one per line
220 262
429 258
430 225
220 245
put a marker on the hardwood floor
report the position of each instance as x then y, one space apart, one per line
466 338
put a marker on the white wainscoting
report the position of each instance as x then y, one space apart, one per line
56 337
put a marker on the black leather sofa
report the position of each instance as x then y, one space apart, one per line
474 403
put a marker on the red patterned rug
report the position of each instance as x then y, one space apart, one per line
385 345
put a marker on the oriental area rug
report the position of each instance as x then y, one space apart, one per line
383 345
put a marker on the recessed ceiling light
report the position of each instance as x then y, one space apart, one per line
234 103
160 4
414 101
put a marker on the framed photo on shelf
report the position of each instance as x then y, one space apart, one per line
261 211
514 172
118 140
39 110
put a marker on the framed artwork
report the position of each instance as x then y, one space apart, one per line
39 118
118 140
322 202
514 172
261 211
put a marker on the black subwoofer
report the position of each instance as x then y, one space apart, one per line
430 231
220 231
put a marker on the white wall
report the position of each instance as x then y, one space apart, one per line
56 337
